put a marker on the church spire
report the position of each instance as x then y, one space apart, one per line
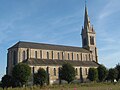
89 36
86 18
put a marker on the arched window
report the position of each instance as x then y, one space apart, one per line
58 56
62 55
40 54
36 54
91 40
81 56
54 71
86 58
14 58
27 53
72 56
23 55
81 73
47 70
77 56
76 71
47 55
86 71
68 56
52 55
89 58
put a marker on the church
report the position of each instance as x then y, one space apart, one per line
51 57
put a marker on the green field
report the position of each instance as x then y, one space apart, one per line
87 86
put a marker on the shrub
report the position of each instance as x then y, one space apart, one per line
93 74
67 72
113 73
6 81
102 73
118 69
40 77
21 73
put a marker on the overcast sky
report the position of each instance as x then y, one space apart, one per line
60 22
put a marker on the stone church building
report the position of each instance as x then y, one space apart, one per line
52 57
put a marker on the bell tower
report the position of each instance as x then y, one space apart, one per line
89 37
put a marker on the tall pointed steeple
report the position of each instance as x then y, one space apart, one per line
86 18
89 36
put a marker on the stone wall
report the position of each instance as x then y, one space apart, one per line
54 76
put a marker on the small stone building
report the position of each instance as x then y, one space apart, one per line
52 57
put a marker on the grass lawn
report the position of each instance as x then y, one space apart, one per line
86 86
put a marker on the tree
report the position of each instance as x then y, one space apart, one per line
118 69
0 84
102 73
40 77
67 72
113 73
21 73
93 74
6 81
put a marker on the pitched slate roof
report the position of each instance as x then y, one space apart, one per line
42 62
33 45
